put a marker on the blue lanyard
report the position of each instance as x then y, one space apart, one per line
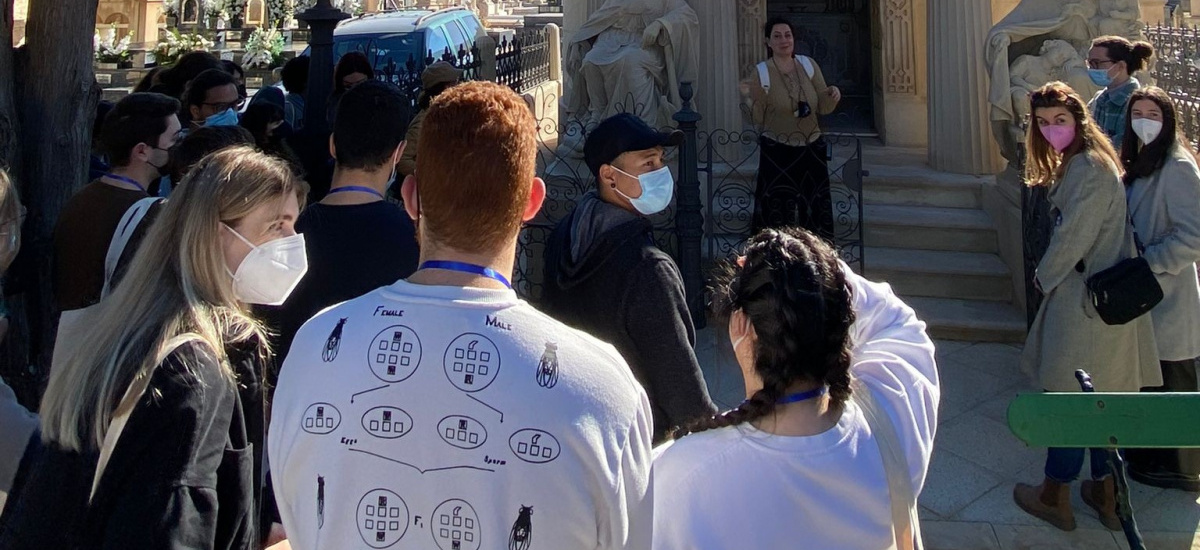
803 396
124 179
359 188
462 267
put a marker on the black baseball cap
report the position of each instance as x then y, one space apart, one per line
622 133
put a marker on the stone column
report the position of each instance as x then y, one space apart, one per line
717 96
959 136
751 16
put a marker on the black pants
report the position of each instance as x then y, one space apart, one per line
1170 468
793 188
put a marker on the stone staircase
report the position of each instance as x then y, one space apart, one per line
927 235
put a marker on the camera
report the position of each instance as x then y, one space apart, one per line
803 110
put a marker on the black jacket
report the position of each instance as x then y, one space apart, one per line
181 475
626 291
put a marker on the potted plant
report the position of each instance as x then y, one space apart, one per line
279 12
172 12
234 11
110 52
264 49
212 11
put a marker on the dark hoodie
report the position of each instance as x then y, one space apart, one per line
605 276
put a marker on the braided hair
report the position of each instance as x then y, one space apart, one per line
793 290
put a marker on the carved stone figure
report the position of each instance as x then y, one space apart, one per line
1058 60
630 56
1027 30
1023 32
1118 17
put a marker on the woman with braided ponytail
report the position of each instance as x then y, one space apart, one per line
831 446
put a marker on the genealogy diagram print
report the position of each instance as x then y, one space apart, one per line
382 518
394 354
472 362
456 526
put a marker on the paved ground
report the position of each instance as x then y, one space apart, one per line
967 501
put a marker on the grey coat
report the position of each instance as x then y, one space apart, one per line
1092 234
1166 212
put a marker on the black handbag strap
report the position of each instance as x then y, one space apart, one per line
1137 240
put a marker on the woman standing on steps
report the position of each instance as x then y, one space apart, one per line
786 97
1069 153
1163 184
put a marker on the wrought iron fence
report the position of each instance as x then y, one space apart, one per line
407 75
1177 70
523 61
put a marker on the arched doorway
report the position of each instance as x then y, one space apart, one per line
255 13
191 12
118 20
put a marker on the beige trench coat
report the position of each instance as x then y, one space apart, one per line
1166 212
1092 234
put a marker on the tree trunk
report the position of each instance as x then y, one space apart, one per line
55 101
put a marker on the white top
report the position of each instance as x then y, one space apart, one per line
459 419
740 488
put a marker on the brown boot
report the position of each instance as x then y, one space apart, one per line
1101 495
1050 501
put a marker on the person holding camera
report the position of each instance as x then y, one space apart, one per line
785 98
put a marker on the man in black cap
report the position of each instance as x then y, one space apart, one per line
605 275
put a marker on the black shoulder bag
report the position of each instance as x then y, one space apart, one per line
1127 290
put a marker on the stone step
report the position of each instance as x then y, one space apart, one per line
928 228
970 320
902 191
941 274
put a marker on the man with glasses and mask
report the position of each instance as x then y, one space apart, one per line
605 275
212 99
137 136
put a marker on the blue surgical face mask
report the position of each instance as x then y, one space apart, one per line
1100 77
228 117
658 187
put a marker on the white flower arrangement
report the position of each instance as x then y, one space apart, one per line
280 12
174 45
352 7
234 9
213 8
171 9
109 49
263 48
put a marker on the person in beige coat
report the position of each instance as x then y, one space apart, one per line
1068 152
1163 185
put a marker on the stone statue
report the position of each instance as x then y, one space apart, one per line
1028 30
630 56
1023 32
1057 60
1118 17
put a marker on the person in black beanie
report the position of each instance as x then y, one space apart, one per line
605 275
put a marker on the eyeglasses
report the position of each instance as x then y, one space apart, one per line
1099 63
236 105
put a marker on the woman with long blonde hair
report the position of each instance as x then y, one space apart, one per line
1069 153
144 431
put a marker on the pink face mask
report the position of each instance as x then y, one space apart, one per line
1060 137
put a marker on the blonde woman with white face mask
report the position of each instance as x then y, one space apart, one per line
1163 185
149 439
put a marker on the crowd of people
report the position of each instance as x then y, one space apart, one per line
256 362
1124 192
252 363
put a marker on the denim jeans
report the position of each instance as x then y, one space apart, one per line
1065 465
